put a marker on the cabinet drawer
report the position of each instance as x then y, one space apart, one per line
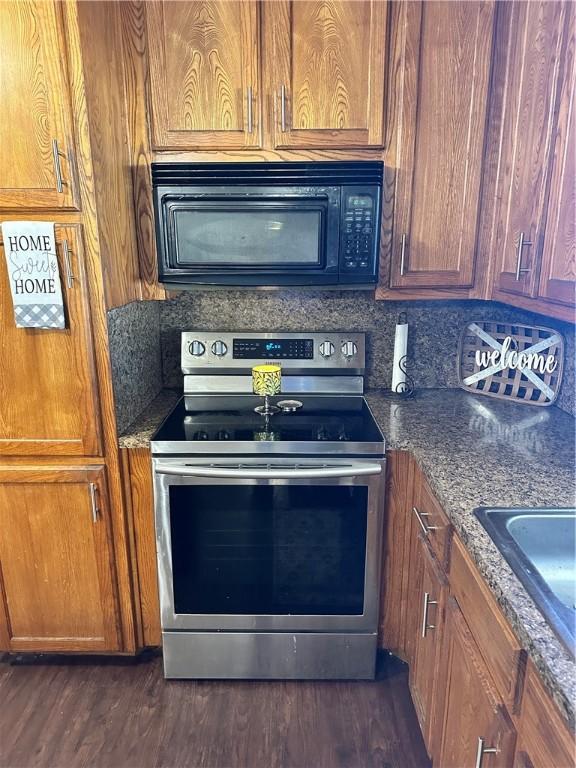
501 651
432 520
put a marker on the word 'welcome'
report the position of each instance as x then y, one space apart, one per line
511 358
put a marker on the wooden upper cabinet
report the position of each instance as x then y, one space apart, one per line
477 730
442 51
48 394
326 72
530 33
57 589
558 271
35 124
204 74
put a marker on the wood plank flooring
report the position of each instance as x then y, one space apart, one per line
79 712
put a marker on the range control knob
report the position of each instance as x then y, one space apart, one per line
349 349
196 348
326 349
219 348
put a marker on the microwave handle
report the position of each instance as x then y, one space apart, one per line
269 473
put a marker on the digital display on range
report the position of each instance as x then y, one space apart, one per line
273 349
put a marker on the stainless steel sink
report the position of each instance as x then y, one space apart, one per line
540 547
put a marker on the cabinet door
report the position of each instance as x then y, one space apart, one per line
477 731
415 566
544 739
425 683
445 63
48 394
558 274
326 70
532 37
399 503
35 135
56 561
204 74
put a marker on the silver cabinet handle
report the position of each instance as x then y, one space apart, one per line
57 166
402 254
482 750
425 625
283 108
249 97
268 473
68 264
520 270
425 527
94 502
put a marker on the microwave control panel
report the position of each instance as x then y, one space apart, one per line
359 222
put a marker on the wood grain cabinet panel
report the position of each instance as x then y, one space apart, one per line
56 561
426 683
326 72
502 652
474 716
399 502
48 388
558 274
444 61
544 740
531 35
204 74
35 127
137 476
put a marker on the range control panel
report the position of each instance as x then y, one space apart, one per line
309 352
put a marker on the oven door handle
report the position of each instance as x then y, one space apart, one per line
270 472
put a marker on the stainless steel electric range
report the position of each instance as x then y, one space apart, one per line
269 528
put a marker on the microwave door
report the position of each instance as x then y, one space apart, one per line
250 238
238 237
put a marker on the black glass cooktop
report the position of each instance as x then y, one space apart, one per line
329 420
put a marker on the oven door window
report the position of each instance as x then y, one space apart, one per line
248 234
274 549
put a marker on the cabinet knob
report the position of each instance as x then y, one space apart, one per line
482 750
402 255
520 270
57 166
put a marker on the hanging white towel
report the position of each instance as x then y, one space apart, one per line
30 249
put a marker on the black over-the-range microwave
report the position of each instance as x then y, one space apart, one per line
268 224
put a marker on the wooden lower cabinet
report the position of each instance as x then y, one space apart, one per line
468 672
425 682
544 741
477 730
57 580
139 494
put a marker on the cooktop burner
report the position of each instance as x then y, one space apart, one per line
324 424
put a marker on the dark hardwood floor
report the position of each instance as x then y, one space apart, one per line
122 714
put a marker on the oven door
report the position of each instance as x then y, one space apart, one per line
248 236
278 545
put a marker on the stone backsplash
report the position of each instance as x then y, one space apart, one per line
134 334
145 336
434 328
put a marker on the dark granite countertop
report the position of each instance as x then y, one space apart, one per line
475 451
139 433
482 452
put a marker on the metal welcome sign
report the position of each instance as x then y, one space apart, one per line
512 362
